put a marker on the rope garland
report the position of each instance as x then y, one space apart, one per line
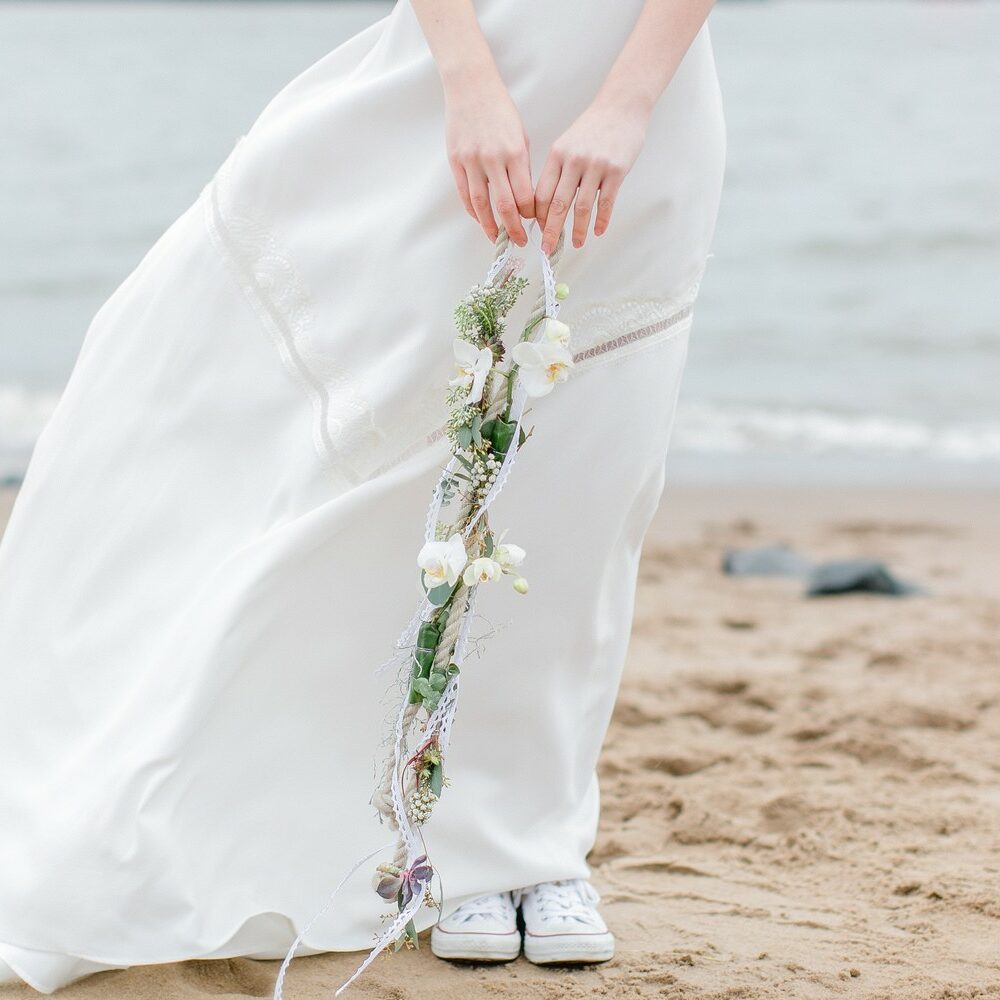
383 800
401 797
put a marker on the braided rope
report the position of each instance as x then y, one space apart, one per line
396 783
382 800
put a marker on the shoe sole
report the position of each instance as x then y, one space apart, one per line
476 947
569 949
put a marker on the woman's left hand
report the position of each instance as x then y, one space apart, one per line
587 164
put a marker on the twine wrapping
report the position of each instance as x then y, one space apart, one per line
389 798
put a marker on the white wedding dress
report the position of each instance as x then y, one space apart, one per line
214 547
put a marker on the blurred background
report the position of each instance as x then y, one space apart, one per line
800 793
849 324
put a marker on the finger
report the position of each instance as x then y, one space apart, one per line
503 200
519 175
546 187
462 185
479 195
584 206
610 184
559 207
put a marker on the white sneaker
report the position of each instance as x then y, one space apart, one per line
481 930
562 926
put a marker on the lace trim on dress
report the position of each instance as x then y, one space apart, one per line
613 330
352 445
612 349
342 426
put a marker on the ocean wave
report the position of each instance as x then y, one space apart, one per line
23 413
708 428
701 428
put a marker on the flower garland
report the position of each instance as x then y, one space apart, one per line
486 400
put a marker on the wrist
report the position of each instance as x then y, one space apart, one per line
469 71
627 97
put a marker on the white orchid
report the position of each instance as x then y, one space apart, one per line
555 332
521 585
509 555
542 365
473 364
482 570
443 562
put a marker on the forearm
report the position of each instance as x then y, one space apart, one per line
487 147
460 51
654 49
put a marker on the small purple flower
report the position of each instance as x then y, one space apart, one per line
414 879
387 885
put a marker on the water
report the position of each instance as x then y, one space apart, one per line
849 324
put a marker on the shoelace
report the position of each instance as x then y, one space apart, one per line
484 906
573 899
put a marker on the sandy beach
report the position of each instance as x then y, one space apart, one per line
801 796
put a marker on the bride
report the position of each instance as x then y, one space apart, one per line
213 547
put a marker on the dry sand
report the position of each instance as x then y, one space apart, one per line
801 796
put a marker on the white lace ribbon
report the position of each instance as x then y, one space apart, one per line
442 718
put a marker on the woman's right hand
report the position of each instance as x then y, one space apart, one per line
488 153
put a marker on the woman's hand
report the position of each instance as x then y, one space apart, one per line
488 153
599 148
587 164
487 147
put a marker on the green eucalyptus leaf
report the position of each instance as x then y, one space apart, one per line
438 596
437 779
422 686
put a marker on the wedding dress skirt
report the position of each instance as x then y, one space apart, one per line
214 547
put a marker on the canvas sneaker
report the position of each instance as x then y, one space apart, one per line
482 930
562 925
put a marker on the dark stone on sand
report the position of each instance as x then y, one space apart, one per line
766 560
841 576
847 576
